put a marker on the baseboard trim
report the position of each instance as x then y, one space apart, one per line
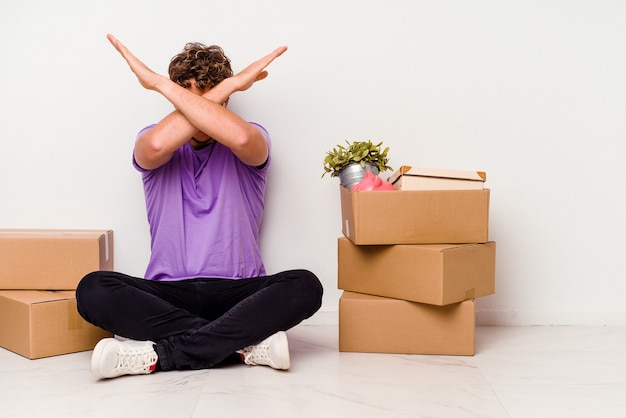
528 318
493 317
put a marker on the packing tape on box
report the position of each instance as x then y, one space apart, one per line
106 247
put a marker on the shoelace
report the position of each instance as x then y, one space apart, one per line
254 353
134 359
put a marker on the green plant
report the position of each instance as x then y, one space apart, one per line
355 152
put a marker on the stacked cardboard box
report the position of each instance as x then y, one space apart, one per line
412 261
39 273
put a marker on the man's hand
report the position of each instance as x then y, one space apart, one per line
148 78
256 71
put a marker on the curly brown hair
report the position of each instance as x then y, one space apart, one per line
208 65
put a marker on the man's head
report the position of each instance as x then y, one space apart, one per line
206 64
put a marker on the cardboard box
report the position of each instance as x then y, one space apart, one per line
438 274
415 216
52 259
35 324
415 178
374 324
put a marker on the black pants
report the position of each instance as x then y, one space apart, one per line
198 323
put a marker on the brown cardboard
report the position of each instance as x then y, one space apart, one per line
374 324
37 324
53 259
438 274
415 216
418 178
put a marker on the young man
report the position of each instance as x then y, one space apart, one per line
206 298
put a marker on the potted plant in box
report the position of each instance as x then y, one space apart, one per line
350 162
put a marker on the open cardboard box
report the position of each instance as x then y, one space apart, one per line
35 324
437 274
54 259
374 324
415 216
418 178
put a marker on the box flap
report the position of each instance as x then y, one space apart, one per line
53 233
407 170
37 296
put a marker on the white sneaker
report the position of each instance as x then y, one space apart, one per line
273 352
113 358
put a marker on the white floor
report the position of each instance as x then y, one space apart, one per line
516 372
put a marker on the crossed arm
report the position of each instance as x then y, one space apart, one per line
198 113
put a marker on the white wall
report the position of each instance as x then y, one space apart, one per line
532 92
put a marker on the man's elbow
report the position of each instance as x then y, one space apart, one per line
251 148
149 151
149 143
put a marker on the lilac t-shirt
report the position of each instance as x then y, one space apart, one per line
204 209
